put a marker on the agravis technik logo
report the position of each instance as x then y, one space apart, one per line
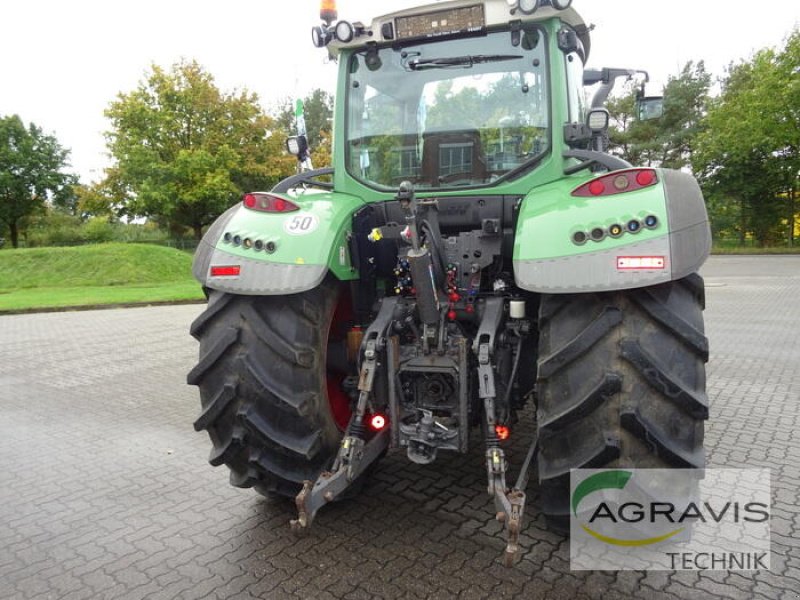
670 519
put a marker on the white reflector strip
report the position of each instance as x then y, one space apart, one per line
639 263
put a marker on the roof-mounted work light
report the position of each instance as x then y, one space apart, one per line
598 120
344 32
320 36
561 4
528 7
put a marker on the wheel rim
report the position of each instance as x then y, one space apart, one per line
338 400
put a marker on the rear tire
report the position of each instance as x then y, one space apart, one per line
263 386
621 384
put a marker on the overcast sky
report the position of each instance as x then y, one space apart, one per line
63 61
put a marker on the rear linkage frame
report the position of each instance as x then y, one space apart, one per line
356 454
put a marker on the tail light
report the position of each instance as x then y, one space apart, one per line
503 432
268 203
617 182
377 422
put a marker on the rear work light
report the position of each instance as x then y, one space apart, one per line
263 202
618 182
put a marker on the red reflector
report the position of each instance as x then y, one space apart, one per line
226 271
502 431
597 187
645 178
377 422
641 263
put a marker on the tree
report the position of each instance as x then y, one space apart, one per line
625 136
749 154
102 199
318 112
667 141
185 151
32 170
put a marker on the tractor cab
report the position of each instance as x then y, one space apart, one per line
457 95
453 114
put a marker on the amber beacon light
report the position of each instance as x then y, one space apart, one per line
327 11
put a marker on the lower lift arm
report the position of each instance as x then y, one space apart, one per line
509 503
355 453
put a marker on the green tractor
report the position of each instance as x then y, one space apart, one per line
473 250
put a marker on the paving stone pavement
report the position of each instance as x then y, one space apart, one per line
105 491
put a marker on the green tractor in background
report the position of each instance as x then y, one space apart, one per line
473 251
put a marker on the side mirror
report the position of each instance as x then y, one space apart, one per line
297 145
648 108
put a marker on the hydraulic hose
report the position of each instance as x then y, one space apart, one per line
436 246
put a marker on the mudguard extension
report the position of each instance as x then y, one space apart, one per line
548 260
295 250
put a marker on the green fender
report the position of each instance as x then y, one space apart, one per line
307 244
547 258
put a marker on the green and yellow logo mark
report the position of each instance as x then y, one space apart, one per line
611 480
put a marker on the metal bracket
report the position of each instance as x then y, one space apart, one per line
377 330
483 347
486 389
496 468
392 364
516 32
490 323
516 501
329 485
510 504
366 378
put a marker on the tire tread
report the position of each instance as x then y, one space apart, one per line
210 358
621 383
262 381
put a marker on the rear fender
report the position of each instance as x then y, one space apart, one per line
307 244
548 260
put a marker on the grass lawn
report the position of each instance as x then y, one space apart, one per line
94 275
108 274
753 250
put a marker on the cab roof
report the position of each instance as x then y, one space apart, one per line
388 29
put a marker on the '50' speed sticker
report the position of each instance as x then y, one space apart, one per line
301 224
